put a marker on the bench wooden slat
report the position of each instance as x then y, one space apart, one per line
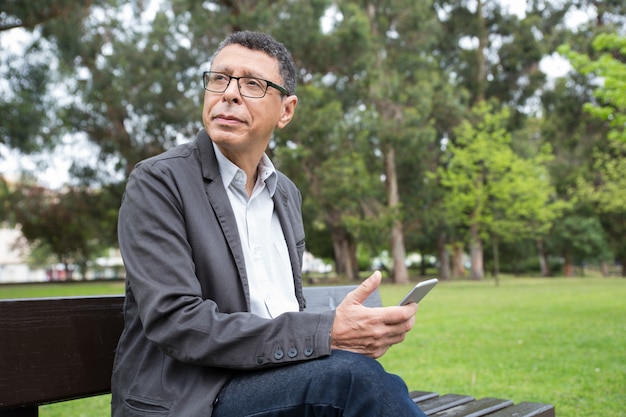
21 412
478 408
418 396
49 348
320 299
444 402
527 409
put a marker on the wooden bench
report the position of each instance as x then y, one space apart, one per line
59 349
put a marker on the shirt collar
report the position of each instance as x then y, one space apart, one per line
266 171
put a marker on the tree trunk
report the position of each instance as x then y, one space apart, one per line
496 261
69 273
476 254
620 257
543 259
444 258
400 273
82 270
458 266
345 253
568 266
604 268
483 43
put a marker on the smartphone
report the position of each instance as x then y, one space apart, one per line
419 291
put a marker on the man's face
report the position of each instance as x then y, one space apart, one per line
241 125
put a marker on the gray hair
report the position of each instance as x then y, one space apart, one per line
263 42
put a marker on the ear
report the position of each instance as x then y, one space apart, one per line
288 109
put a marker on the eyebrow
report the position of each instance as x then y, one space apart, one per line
245 72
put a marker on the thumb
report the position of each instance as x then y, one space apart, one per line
360 293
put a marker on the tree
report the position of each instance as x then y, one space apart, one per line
603 190
328 161
376 83
493 55
609 71
579 238
73 224
401 93
491 190
88 73
570 110
528 205
29 104
17 14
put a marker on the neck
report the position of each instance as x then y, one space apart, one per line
249 163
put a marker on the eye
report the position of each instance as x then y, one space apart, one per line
253 83
217 77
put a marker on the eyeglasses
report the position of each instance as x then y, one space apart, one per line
251 87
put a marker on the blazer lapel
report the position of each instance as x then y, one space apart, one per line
218 198
281 205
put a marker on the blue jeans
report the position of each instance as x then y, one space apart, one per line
342 384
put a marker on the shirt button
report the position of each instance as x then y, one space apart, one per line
259 360
308 351
292 352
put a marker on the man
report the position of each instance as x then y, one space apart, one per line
212 240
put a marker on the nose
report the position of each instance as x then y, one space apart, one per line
232 91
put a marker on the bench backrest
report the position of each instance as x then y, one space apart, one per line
60 349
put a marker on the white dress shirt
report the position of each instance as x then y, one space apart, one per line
270 277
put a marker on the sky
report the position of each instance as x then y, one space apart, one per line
52 170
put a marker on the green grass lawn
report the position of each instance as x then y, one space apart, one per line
559 341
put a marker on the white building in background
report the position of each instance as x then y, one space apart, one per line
13 265
312 264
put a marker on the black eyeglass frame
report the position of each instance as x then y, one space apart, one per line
280 88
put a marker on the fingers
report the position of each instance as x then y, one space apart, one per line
370 331
360 294
399 314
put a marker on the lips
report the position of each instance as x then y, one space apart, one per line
227 118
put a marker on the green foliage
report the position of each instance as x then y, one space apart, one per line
581 238
603 189
491 187
606 184
5 198
495 55
25 122
330 159
14 14
609 70
74 225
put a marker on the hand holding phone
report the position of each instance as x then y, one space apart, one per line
418 292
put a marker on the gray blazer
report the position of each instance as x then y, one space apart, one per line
187 320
